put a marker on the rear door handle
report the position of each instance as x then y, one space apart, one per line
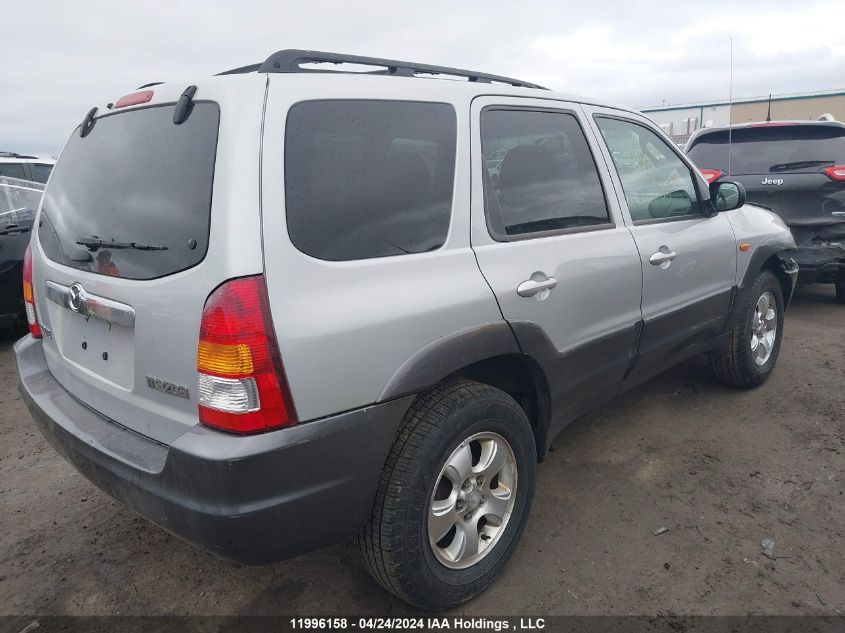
537 283
663 256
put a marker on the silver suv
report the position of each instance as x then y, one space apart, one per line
283 307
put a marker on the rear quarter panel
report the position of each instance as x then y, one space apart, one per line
169 309
345 328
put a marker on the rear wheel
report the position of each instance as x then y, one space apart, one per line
755 339
453 498
840 291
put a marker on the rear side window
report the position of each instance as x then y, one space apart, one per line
13 170
771 149
369 179
539 173
139 183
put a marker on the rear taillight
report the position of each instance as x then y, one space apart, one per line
835 172
29 295
241 381
712 175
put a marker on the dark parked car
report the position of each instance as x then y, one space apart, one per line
795 168
19 200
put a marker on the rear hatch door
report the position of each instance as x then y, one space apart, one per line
782 167
138 225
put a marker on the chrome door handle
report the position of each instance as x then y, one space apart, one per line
663 256
531 287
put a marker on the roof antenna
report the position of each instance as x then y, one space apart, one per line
769 113
730 108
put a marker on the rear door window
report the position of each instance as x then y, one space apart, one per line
770 149
539 175
133 198
368 179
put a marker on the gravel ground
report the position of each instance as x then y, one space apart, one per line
722 469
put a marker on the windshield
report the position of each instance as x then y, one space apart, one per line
136 180
771 149
19 200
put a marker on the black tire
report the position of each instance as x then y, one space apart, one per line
840 291
395 545
735 364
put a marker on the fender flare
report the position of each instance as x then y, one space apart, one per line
761 255
446 355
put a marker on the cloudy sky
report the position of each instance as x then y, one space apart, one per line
61 57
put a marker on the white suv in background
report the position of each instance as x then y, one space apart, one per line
23 167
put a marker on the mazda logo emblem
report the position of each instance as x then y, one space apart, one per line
75 298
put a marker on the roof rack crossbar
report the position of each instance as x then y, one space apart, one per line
291 61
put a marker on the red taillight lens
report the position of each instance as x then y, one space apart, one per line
835 172
241 381
134 99
712 175
29 295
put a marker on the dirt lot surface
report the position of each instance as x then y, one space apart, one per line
722 469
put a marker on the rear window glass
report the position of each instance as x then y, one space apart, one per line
369 179
13 170
771 149
40 171
139 183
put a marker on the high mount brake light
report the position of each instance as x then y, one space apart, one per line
241 381
712 175
29 295
135 98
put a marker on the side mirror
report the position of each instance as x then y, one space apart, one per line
726 196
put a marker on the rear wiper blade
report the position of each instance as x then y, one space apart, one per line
94 243
14 228
798 164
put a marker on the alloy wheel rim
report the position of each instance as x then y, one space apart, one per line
764 328
472 500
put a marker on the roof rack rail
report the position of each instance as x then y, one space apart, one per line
14 155
291 60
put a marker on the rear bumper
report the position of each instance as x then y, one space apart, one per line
252 499
820 263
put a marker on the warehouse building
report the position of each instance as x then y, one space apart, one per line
679 121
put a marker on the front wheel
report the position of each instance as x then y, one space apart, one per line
840 291
453 498
754 345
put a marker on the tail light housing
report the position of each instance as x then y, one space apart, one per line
29 295
242 386
835 172
712 175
